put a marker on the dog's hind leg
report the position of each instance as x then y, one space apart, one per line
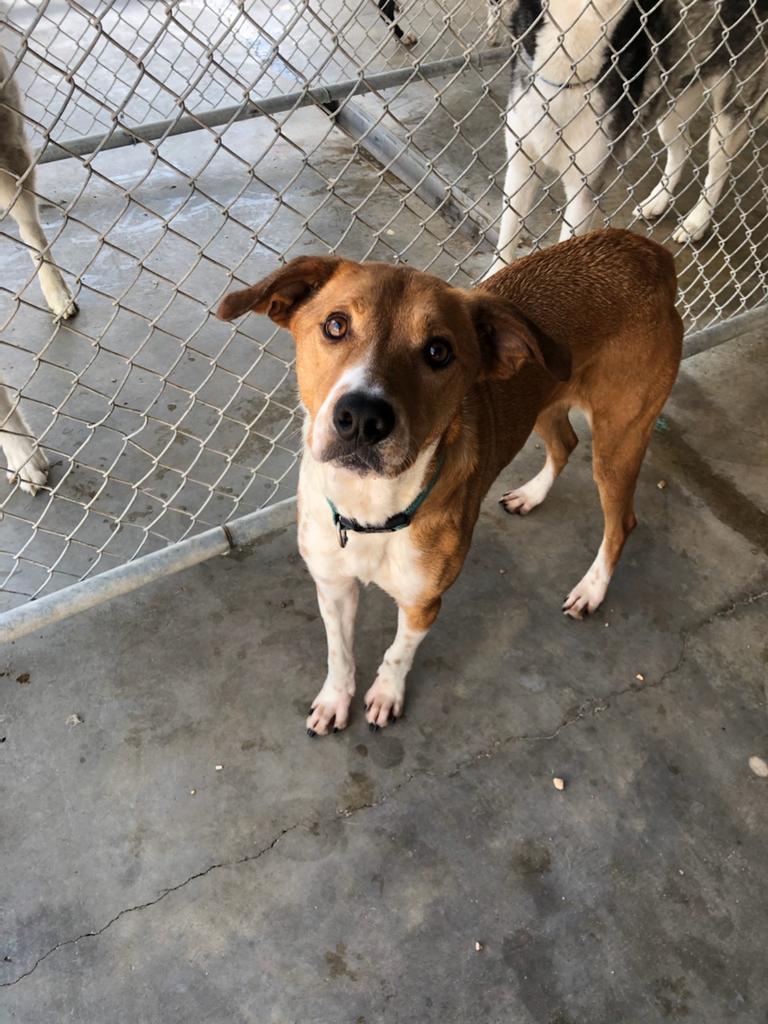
618 448
24 459
23 208
726 137
555 430
673 131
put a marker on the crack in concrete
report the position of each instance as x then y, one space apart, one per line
151 903
588 708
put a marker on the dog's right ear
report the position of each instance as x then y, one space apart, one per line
282 292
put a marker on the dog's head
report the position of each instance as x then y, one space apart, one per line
385 354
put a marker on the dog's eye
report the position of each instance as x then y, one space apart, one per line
438 353
336 326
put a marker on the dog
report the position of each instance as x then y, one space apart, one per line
417 394
586 73
25 462
17 194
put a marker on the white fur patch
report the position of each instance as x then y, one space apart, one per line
355 378
589 593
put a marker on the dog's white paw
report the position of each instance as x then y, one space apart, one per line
588 594
655 205
329 711
409 39
64 307
26 464
525 499
384 702
694 227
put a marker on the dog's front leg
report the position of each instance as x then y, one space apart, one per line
337 599
385 699
580 206
520 184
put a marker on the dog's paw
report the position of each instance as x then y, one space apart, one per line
526 498
409 39
587 596
384 703
65 309
27 465
694 227
655 206
60 300
329 712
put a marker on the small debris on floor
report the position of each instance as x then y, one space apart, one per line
74 719
661 484
192 792
759 767
479 947
23 679
219 767
639 677
558 783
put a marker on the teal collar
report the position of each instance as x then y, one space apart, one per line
399 521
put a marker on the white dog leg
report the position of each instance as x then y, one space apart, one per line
673 132
519 189
385 699
725 140
24 459
57 295
338 606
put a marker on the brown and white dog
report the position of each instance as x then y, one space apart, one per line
417 394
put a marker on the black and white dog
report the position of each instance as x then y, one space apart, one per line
586 72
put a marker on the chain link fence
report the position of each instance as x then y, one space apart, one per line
181 147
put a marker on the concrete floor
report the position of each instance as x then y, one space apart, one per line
348 879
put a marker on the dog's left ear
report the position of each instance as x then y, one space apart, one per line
280 294
508 340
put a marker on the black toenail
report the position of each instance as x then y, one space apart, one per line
311 733
335 728
372 727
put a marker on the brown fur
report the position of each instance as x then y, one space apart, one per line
598 310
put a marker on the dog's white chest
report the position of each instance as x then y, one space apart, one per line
389 560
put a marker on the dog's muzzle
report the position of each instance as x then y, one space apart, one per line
361 424
362 419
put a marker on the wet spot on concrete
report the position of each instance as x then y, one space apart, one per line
512 945
357 792
361 749
531 857
337 963
387 751
670 995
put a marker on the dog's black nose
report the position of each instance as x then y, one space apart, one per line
363 418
